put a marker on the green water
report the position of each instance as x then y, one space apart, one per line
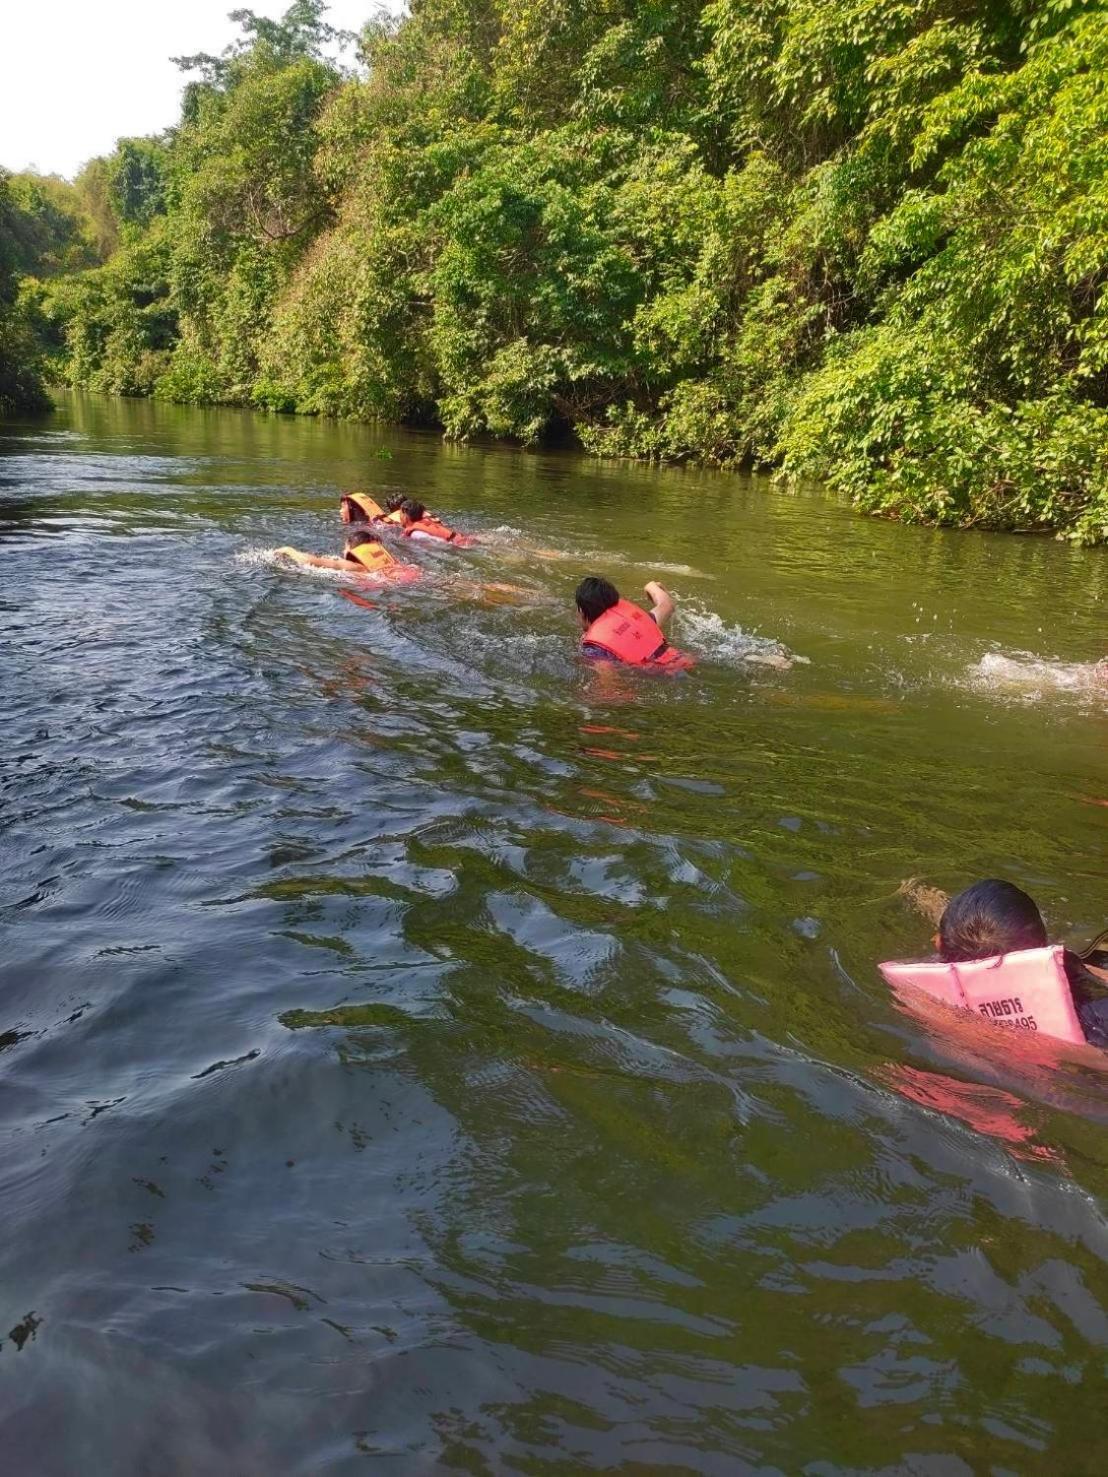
421 1050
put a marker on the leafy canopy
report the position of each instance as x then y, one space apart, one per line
864 241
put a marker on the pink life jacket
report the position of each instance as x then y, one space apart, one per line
1026 990
628 634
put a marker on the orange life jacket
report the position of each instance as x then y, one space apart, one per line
372 556
393 517
434 529
628 634
361 500
1027 990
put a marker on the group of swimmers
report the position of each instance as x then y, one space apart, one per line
612 629
992 952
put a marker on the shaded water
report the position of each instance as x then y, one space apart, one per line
417 1051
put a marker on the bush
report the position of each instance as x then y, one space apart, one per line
859 240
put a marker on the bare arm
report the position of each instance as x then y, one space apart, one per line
661 602
316 561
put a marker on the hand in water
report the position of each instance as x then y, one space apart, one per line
929 901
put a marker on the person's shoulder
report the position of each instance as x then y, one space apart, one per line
1090 999
1081 978
1093 1015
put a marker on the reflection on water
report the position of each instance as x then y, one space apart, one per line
417 1046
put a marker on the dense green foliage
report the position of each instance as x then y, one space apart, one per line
864 241
48 229
21 385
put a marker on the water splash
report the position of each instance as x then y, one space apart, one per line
258 559
703 631
1027 678
271 559
685 569
596 561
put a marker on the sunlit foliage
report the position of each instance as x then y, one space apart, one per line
45 232
864 241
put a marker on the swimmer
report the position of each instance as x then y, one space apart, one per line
614 629
418 523
991 919
363 553
358 507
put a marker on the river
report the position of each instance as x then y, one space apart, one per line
422 1054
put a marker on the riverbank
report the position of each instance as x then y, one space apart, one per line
686 233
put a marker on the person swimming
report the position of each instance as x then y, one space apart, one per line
614 629
363 553
359 507
996 921
417 522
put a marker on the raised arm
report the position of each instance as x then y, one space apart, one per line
661 603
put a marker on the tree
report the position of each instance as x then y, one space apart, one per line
21 386
859 240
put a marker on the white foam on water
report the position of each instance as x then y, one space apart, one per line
681 569
271 559
596 561
1027 678
528 645
256 558
655 566
708 634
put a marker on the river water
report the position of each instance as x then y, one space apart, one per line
422 1054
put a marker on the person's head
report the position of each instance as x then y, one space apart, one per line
362 535
394 502
989 918
594 596
411 511
351 511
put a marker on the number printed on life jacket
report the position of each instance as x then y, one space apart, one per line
1008 1013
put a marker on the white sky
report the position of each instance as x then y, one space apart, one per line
75 75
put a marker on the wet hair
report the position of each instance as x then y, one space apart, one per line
395 501
414 510
594 596
989 918
365 534
352 511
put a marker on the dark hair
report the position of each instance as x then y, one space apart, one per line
989 918
394 501
414 510
595 596
355 513
366 534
